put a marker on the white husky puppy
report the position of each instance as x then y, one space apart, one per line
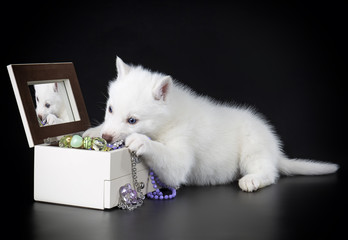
50 107
189 139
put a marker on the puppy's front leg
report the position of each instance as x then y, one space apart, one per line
172 161
93 132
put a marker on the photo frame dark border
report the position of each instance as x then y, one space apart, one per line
21 75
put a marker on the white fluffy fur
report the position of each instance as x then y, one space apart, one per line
190 139
49 103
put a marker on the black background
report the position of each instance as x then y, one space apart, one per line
288 60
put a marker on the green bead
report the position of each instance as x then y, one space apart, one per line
65 141
76 141
99 144
87 142
107 149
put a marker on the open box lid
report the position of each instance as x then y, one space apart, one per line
49 99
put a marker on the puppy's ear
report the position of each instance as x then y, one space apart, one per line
162 87
122 68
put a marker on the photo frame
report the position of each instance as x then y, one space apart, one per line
24 75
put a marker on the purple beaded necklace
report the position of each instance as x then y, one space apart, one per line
156 182
157 194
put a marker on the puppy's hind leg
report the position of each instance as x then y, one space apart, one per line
258 171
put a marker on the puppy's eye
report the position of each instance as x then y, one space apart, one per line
110 109
37 99
132 120
47 105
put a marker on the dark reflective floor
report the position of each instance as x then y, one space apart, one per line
295 207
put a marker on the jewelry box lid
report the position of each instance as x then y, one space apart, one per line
49 100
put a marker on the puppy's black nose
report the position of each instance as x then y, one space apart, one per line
107 137
40 117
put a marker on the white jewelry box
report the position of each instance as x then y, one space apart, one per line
77 177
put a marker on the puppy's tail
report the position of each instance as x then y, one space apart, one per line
291 167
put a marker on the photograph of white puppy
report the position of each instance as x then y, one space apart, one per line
191 139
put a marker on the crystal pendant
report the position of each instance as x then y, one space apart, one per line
128 195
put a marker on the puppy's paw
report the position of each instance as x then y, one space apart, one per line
92 132
138 143
52 119
249 183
